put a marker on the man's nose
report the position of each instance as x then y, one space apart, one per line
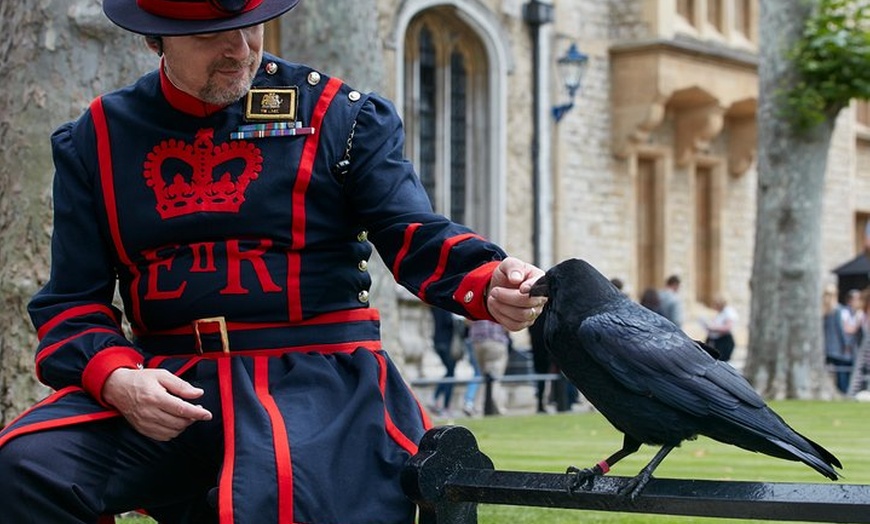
235 44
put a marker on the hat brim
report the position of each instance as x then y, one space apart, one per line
127 14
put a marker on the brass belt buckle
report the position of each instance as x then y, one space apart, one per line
222 328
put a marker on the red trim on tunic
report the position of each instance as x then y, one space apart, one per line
156 361
225 485
107 177
475 282
280 442
77 311
442 260
51 399
57 423
303 179
53 423
101 365
345 347
406 246
392 430
185 102
47 351
336 317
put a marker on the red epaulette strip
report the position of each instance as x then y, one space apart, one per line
107 178
303 179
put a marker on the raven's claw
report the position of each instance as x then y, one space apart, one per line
636 485
580 478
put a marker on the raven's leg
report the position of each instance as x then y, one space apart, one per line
580 476
636 485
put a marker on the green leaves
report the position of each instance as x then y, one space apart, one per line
832 62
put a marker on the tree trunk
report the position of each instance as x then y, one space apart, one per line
309 36
55 55
785 340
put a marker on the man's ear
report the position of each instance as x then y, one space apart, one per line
155 43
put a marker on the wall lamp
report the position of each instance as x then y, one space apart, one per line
572 67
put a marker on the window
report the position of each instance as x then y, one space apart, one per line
862 228
714 14
731 21
650 223
445 112
708 239
743 18
862 112
686 9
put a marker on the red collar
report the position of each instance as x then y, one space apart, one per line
185 102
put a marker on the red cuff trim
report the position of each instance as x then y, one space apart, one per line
471 292
104 363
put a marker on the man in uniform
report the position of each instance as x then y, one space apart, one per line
233 199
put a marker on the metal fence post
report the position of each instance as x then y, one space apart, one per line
443 452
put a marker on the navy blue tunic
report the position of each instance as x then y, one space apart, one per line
242 261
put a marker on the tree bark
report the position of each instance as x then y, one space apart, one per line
55 56
340 38
785 341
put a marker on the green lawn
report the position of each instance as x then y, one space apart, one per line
550 443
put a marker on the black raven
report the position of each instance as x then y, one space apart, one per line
651 381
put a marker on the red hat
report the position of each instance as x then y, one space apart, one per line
190 17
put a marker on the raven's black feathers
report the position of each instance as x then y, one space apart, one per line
652 381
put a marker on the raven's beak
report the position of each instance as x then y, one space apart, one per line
540 288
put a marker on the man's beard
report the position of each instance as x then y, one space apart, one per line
223 94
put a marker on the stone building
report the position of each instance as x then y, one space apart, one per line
650 173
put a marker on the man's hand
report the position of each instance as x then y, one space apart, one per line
154 401
508 298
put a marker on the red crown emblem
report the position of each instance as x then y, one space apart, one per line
208 189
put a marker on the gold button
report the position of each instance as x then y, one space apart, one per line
363 296
469 297
354 96
314 78
363 236
363 265
271 68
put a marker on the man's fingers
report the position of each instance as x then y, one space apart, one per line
188 411
180 387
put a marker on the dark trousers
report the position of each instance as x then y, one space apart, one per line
445 353
76 474
724 344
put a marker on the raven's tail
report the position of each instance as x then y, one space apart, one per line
822 460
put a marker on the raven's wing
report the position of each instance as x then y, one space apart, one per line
651 356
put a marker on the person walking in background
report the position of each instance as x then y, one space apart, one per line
618 284
650 300
719 334
541 363
670 301
491 344
442 340
861 357
469 401
836 355
852 316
